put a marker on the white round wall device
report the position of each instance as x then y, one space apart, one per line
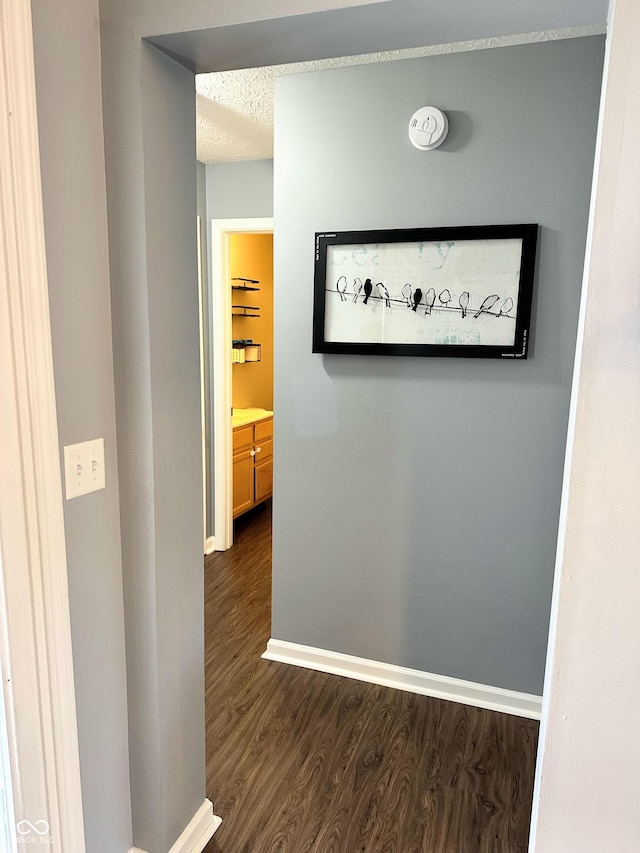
428 128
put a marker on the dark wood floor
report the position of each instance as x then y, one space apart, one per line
300 761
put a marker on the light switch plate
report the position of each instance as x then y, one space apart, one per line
84 468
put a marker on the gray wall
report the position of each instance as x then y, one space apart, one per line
73 182
240 190
177 444
233 191
156 363
167 749
149 132
418 499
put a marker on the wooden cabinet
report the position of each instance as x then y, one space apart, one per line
252 465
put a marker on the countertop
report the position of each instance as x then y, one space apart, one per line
242 417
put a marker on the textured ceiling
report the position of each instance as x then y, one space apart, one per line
235 108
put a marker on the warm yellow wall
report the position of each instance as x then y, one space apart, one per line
251 256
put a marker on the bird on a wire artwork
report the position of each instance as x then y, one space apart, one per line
463 291
414 298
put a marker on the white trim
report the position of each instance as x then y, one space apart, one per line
568 460
402 678
210 545
35 636
197 834
220 325
203 418
8 840
198 831
594 616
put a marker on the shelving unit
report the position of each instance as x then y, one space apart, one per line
248 312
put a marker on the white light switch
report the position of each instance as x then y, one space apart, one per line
84 468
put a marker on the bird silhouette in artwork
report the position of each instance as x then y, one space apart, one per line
342 287
445 297
357 288
487 304
368 287
417 296
429 299
506 306
406 292
384 294
464 302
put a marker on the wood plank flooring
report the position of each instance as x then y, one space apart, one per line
303 762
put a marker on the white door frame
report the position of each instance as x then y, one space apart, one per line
35 631
220 325
208 542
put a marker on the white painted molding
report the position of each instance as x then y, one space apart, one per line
593 617
402 678
35 641
220 326
197 834
210 545
198 831
203 395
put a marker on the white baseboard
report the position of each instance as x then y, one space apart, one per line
412 680
197 833
210 545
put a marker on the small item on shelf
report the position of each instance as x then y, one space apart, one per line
245 350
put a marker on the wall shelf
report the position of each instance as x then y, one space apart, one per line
238 314
246 283
245 310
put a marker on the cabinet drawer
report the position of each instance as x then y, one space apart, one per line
242 438
264 450
264 430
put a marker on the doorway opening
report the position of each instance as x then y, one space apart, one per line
241 324
245 307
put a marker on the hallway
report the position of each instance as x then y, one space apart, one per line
303 761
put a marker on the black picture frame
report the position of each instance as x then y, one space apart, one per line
495 260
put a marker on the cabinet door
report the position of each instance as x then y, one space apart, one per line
264 480
242 482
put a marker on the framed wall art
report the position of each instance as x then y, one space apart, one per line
463 292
